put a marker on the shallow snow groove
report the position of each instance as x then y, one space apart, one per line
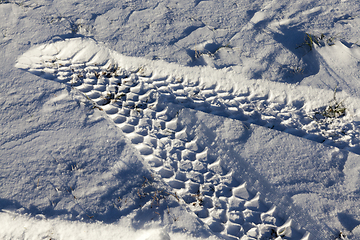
145 106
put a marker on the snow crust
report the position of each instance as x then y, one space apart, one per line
179 119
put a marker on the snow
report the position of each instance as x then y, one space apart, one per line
179 119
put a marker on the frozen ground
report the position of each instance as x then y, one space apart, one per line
179 120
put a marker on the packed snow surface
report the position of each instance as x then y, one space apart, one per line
180 120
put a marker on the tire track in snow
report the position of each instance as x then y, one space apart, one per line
254 103
146 106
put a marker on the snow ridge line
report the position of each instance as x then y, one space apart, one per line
145 107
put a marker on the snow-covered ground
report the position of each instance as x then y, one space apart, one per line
138 119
